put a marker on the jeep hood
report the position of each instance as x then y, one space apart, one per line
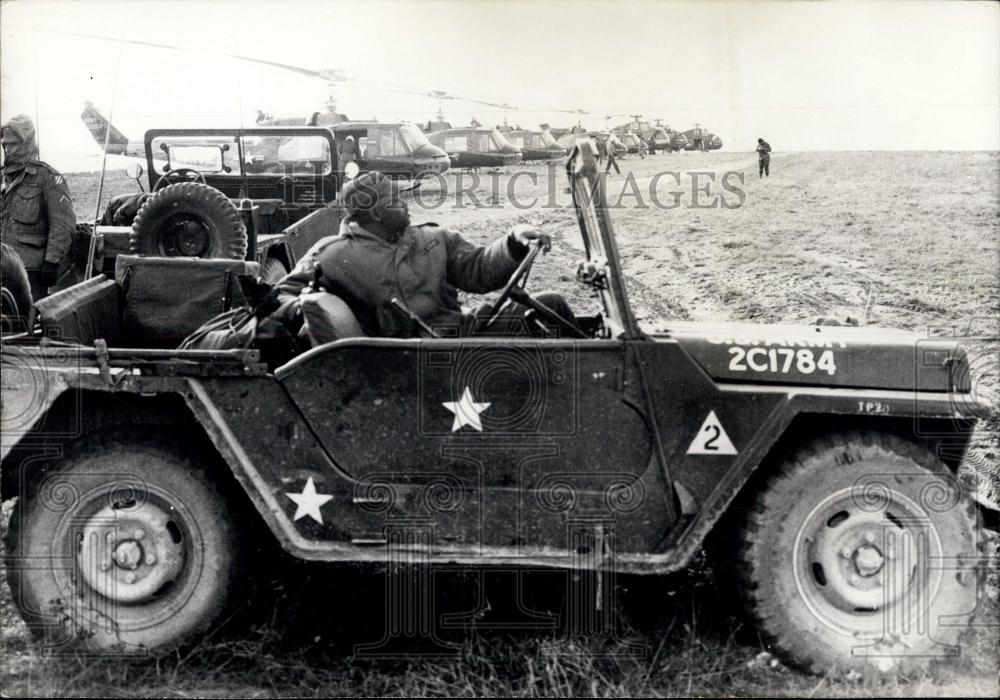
831 356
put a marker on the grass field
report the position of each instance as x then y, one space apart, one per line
908 240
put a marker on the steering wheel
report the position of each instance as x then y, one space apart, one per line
516 280
173 177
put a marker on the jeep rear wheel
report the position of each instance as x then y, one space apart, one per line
862 553
189 220
123 546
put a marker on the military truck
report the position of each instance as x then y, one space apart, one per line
826 454
228 193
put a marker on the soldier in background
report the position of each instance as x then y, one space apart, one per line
348 152
36 214
763 158
609 148
643 148
602 151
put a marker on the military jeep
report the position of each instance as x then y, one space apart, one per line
826 455
228 193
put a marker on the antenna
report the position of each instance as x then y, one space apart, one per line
506 108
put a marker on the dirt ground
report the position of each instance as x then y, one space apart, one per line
906 240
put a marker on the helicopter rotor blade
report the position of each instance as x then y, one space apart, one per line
331 76
442 95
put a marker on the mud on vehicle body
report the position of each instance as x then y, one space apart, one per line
234 193
830 451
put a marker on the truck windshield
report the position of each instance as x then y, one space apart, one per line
413 136
219 155
206 155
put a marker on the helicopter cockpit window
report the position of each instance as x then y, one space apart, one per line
484 142
458 143
392 144
498 140
413 136
549 140
517 140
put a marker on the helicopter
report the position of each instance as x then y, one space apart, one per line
658 137
630 140
567 138
474 146
534 145
700 139
398 149
117 143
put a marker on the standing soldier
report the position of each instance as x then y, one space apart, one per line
763 158
602 150
643 148
610 148
348 152
36 215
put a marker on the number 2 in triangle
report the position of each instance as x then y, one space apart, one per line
711 439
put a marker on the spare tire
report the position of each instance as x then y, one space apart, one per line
189 219
15 297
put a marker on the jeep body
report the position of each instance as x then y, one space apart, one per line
276 176
618 447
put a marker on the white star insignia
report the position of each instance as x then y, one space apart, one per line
466 411
308 502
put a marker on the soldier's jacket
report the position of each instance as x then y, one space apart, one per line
424 269
36 215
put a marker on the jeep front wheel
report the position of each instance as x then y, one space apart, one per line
123 546
861 554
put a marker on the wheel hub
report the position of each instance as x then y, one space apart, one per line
868 560
133 554
128 555
191 238
185 234
853 563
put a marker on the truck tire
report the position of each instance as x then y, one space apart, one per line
862 553
189 219
273 271
123 545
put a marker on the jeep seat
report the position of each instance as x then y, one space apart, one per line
82 313
152 302
326 317
166 299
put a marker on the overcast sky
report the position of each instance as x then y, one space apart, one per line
806 76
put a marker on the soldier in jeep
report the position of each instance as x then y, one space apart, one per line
400 280
36 214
